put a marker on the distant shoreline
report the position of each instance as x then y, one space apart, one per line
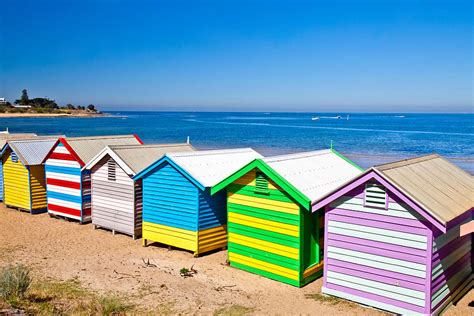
37 115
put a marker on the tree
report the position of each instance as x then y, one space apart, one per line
24 100
69 106
91 107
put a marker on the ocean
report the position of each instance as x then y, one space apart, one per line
367 138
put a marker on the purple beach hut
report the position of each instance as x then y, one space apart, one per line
392 238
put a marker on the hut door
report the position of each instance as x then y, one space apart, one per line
312 239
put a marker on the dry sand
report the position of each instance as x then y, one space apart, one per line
114 265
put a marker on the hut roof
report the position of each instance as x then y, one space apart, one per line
85 148
306 176
440 187
32 151
314 173
135 158
208 167
4 138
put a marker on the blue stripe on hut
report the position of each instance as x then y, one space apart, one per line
116 197
178 209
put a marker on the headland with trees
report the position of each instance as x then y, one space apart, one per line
24 106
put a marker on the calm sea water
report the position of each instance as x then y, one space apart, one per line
366 138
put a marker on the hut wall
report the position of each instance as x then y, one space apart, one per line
212 221
451 263
1 181
113 201
138 207
16 182
86 190
264 231
376 256
170 208
38 188
64 184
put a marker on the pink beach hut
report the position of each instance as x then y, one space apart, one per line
392 238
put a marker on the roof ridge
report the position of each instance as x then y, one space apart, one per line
300 155
24 140
405 162
211 152
98 137
147 145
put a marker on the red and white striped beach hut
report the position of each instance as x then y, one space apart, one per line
68 184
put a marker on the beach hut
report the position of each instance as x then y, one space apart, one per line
23 174
178 209
271 229
4 138
393 238
68 184
116 197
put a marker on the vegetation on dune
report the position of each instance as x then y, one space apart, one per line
15 281
19 293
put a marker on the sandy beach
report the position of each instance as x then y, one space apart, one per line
104 263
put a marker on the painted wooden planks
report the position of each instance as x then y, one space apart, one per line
265 231
16 182
64 183
377 254
451 264
188 217
38 188
113 199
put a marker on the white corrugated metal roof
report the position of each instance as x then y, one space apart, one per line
87 147
4 138
32 151
314 173
135 158
442 188
209 167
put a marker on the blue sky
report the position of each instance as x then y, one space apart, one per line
241 55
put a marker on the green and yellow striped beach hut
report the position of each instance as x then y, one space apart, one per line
271 229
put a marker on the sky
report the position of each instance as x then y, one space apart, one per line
355 56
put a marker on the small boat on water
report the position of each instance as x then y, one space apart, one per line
314 118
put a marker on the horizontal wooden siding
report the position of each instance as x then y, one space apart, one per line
64 184
16 182
264 231
170 208
452 265
113 201
38 188
376 254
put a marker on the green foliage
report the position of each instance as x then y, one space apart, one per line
233 310
185 272
110 305
325 298
15 281
91 107
15 110
69 106
24 97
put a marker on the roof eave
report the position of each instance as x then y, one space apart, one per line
166 159
270 172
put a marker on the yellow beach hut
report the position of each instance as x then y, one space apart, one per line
23 174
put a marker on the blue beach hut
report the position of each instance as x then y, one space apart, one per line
178 209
